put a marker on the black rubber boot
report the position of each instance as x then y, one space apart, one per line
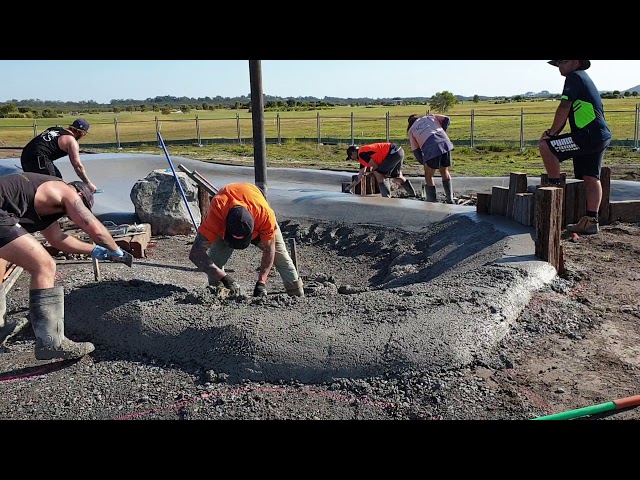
448 192
46 312
409 188
12 328
385 188
431 193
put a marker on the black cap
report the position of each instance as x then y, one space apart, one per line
81 124
584 64
87 194
239 228
350 150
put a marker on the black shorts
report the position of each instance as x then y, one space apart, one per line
587 155
40 164
10 229
440 161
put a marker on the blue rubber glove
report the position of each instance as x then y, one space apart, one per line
99 252
102 253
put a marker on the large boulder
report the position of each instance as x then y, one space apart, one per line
158 201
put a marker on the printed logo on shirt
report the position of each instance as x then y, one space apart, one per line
47 135
564 145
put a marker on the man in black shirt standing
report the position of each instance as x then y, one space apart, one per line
54 143
590 136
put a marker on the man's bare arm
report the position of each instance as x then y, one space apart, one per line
198 256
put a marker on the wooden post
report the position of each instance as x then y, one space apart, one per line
483 204
544 179
548 217
523 209
574 202
204 200
499 196
604 214
517 184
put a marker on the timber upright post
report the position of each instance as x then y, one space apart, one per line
548 223
604 214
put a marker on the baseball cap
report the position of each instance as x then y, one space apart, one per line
584 64
81 124
87 194
350 150
239 228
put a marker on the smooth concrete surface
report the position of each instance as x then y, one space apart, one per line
295 192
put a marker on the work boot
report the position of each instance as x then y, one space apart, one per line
294 289
46 312
8 329
409 188
585 226
385 188
448 193
431 193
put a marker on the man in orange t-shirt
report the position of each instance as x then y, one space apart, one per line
384 160
240 215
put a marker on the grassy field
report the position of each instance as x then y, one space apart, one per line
321 137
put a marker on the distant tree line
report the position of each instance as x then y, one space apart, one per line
441 102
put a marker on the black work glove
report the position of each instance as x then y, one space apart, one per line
229 282
260 290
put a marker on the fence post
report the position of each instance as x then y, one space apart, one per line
318 127
115 124
388 130
158 131
637 128
198 130
522 129
278 127
353 139
473 121
238 128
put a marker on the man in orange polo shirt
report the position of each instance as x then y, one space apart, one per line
240 215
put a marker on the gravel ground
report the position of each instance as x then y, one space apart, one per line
565 350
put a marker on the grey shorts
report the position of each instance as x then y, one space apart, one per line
392 165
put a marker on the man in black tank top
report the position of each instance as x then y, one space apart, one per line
32 202
54 143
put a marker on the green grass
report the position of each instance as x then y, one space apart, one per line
496 146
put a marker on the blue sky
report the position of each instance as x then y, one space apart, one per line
104 80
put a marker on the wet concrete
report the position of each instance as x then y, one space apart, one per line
488 273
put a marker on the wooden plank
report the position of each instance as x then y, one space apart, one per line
624 211
8 282
517 184
547 223
199 180
204 200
